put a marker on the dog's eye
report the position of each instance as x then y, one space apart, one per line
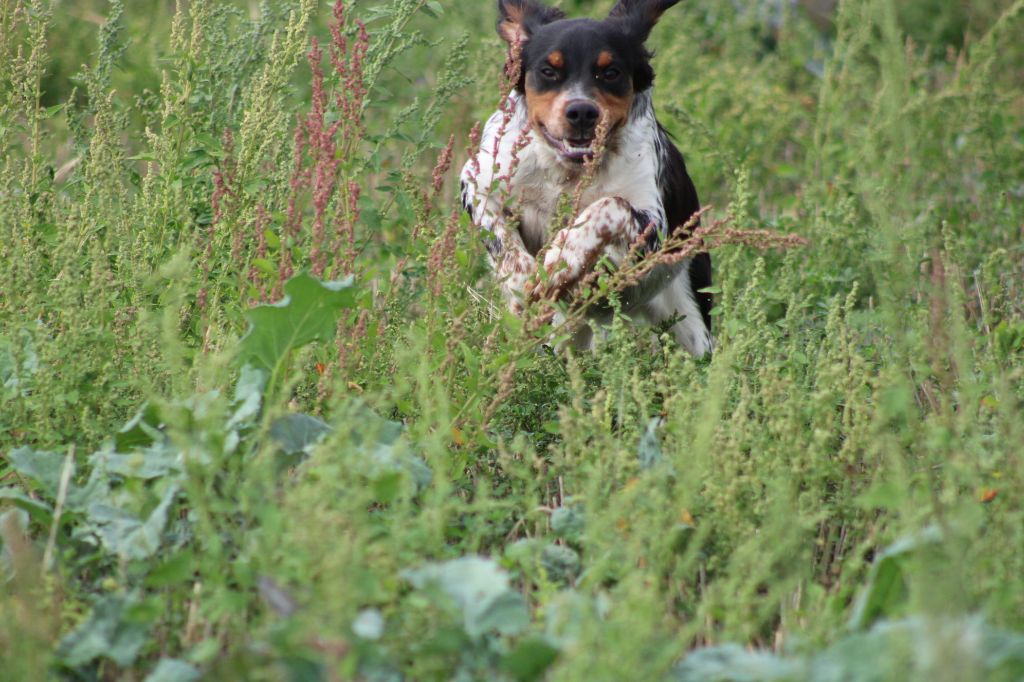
548 72
611 74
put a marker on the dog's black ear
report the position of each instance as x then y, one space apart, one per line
518 18
637 18
640 16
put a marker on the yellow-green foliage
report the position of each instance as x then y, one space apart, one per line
845 471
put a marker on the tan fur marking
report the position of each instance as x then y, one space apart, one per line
605 59
556 59
615 108
546 109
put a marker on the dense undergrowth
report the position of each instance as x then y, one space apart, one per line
385 476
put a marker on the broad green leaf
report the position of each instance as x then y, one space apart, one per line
42 466
173 670
480 588
384 449
886 589
506 614
529 660
309 312
925 649
105 634
172 571
914 648
141 430
248 397
96 490
128 536
155 461
37 509
297 434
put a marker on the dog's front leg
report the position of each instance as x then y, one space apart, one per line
605 228
512 263
514 267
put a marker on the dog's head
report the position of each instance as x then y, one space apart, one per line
576 73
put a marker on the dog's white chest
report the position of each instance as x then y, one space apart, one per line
542 183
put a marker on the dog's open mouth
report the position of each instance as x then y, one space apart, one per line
572 149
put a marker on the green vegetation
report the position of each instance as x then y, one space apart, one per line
385 476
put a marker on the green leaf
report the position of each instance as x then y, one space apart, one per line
128 536
886 591
141 430
529 660
309 312
914 648
173 670
156 461
37 509
95 491
506 614
297 434
264 265
273 243
384 450
433 9
50 112
248 397
42 466
105 633
480 588
173 571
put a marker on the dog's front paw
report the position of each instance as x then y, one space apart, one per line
598 231
572 251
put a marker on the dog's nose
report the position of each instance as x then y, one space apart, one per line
582 114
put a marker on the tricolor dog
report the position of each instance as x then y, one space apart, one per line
578 77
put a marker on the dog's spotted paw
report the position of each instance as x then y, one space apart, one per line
600 230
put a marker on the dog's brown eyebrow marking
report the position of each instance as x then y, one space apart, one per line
605 59
556 59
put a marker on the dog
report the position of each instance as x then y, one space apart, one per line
578 80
